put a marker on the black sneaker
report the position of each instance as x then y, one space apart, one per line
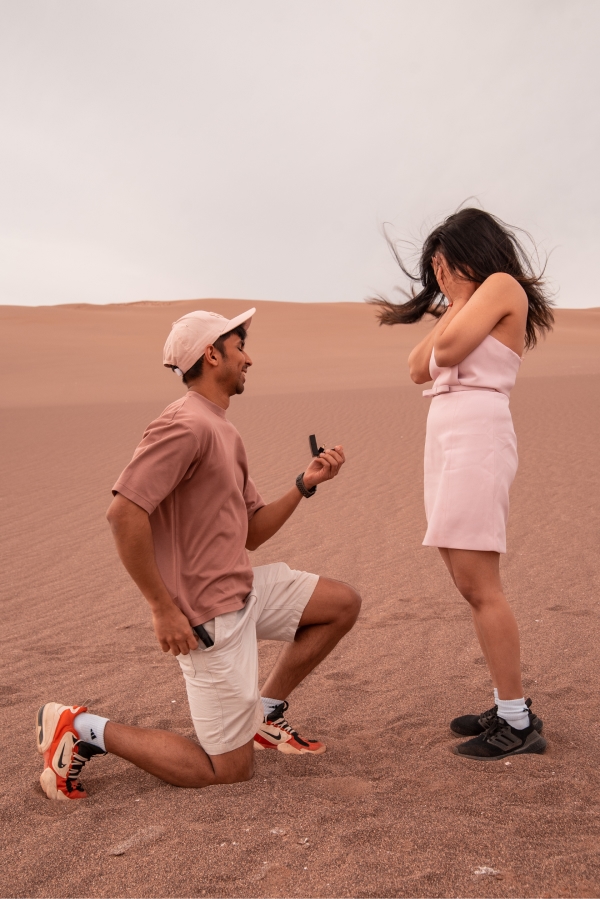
473 725
501 740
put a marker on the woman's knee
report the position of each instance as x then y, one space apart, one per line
475 594
475 600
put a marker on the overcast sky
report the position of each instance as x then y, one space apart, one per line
173 149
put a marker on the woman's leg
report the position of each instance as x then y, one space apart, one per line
477 577
445 554
484 648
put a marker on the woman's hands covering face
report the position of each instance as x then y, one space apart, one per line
456 288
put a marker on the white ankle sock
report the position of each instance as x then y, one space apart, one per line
90 729
269 704
514 712
495 696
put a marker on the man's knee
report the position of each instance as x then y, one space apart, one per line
334 604
348 606
230 770
239 775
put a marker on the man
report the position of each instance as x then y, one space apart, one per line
184 514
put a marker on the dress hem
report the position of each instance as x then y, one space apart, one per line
483 549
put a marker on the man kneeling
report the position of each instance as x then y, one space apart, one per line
184 514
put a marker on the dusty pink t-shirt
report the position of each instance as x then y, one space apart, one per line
190 473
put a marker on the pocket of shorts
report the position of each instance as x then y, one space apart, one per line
186 663
211 631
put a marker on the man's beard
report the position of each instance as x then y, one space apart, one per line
228 382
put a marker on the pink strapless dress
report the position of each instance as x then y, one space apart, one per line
471 449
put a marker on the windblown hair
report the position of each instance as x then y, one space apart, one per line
475 245
193 373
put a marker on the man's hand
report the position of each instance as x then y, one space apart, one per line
173 630
324 467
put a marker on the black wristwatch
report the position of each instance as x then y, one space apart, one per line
303 488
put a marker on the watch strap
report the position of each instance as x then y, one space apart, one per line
303 488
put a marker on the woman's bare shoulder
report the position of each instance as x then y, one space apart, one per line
502 292
502 281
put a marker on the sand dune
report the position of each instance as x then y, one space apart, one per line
388 810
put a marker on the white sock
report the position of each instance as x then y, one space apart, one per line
269 704
90 729
495 696
514 712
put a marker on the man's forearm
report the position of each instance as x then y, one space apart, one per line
133 538
131 529
268 520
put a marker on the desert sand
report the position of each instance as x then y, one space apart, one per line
388 810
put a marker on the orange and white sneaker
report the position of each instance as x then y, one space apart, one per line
64 753
276 733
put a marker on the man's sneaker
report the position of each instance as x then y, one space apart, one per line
500 740
473 725
64 753
276 733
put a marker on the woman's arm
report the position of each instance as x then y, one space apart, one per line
418 361
499 298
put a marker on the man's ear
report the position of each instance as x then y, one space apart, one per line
211 355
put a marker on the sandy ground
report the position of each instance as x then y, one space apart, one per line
388 810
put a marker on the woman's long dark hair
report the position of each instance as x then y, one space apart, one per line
475 245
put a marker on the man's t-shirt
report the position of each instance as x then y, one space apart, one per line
190 473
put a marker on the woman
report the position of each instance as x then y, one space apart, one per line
476 279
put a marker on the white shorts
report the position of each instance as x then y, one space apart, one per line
222 681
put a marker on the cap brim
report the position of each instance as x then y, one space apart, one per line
244 319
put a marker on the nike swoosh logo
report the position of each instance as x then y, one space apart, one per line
271 736
60 763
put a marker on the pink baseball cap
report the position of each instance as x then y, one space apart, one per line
191 334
